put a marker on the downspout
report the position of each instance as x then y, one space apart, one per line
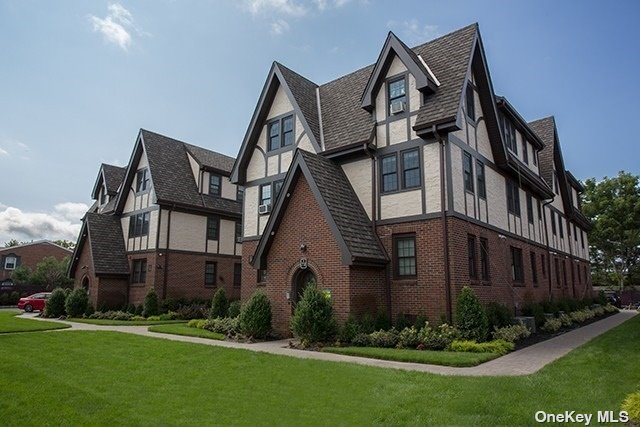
445 233
546 237
166 254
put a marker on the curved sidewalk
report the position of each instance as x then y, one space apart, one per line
522 362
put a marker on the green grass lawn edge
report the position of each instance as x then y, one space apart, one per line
11 323
187 331
444 358
108 322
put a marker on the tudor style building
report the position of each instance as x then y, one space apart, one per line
170 221
398 184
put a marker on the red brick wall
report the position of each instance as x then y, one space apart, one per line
31 255
112 293
84 260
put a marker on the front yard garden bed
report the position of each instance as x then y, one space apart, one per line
445 358
184 330
136 322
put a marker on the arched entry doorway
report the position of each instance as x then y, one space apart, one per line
300 281
85 284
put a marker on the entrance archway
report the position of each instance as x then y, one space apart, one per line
85 284
300 281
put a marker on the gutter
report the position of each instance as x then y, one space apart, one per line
445 233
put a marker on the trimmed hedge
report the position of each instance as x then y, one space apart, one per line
76 303
496 346
255 317
471 319
55 306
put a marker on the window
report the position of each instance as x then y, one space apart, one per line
471 108
410 169
265 194
215 185
10 263
564 272
534 269
471 256
142 180
239 193
482 186
238 231
209 274
556 263
237 274
281 133
139 271
484 259
553 222
262 276
582 238
525 151
103 196
530 208
543 262
389 173
575 233
139 224
517 274
534 157
213 227
560 220
509 132
397 92
467 166
513 197
539 209
405 256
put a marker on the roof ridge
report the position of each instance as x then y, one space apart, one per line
279 64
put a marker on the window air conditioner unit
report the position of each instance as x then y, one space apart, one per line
397 107
264 209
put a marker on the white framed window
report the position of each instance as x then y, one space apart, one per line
10 263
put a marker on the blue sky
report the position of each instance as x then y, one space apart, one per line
78 79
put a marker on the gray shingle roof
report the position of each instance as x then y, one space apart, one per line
113 177
107 245
545 129
304 92
211 159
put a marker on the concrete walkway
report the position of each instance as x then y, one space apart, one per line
522 362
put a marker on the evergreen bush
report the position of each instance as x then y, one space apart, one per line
55 303
471 319
313 320
255 316
150 304
76 303
219 304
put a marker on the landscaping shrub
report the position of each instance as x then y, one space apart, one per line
111 315
367 323
610 308
89 310
536 311
136 318
498 315
382 321
565 320
361 340
219 304
602 298
313 319
222 325
192 311
421 321
255 316
384 339
581 316
139 310
409 338
437 338
171 315
234 309
552 325
14 298
150 304
154 318
471 319
4 299
402 321
76 302
169 304
631 404
197 323
55 304
550 306
496 346
598 311
511 333
131 309
349 330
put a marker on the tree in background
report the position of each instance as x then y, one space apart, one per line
613 206
21 275
11 243
52 273
67 244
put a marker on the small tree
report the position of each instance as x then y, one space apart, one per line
219 304
52 273
21 275
313 319
150 304
76 303
55 304
255 316
471 318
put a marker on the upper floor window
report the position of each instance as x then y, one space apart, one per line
209 274
525 151
539 209
389 173
265 194
534 157
397 93
142 180
552 215
239 193
237 274
582 238
467 166
509 132
213 227
482 184
410 169
560 220
471 108
529 208
575 233
405 256
139 271
513 197
10 263
139 224
281 133
517 274
215 184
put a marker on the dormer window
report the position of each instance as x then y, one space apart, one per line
471 108
397 95
281 133
142 180
215 184
103 196
509 133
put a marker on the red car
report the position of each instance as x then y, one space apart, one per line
34 302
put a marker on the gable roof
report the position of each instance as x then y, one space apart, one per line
210 160
341 208
112 177
35 242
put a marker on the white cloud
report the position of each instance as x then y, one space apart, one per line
277 7
279 26
117 26
3 152
412 32
62 223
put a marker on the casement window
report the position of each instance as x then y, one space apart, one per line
239 231
525 150
210 268
513 197
405 256
509 133
410 168
10 263
139 224
265 194
397 92
213 227
471 108
467 168
560 227
564 272
281 133
484 259
215 185
575 233
471 256
239 193
237 275
389 173
142 180
539 210
480 179
517 273
262 276
556 264
534 269
139 271
543 262
534 156
529 208
582 238
552 216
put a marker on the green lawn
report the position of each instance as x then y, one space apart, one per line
109 378
125 322
186 330
10 323
447 358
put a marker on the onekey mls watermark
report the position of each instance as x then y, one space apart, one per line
585 418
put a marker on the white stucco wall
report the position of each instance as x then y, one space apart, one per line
359 175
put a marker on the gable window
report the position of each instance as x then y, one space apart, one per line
582 238
239 193
209 274
397 93
139 224
215 185
534 156
265 194
10 263
530 208
142 180
525 151
471 256
509 133
405 256
480 179
238 231
534 269
139 271
471 108
484 259
237 274
553 222
389 173
287 131
513 198
560 220
467 166
410 169
213 227
517 274
281 133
